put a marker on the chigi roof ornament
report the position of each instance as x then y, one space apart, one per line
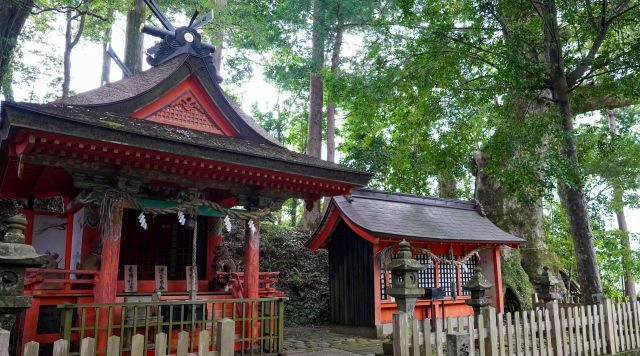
180 40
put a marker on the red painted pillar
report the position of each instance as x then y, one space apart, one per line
497 272
252 260
376 287
214 239
105 290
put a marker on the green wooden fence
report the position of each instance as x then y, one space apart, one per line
258 323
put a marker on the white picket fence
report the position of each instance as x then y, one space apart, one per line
224 340
590 330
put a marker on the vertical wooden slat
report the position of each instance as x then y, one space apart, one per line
491 346
584 331
450 328
460 321
541 328
61 348
400 337
632 335
570 325
534 331
137 345
592 339
578 329
225 336
526 333
623 325
510 348
5 336
518 329
636 319
619 319
596 328
113 345
203 343
563 332
415 338
426 327
500 323
32 348
439 338
472 336
183 343
556 328
88 346
161 344
481 335
609 331
548 331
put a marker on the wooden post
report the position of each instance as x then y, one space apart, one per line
426 327
161 344
489 316
61 348
113 346
88 346
252 259
5 336
105 288
225 334
31 348
610 334
213 241
498 279
400 337
556 328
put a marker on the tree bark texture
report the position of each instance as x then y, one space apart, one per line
70 42
570 190
217 55
447 186
13 14
134 41
625 243
311 218
331 106
106 59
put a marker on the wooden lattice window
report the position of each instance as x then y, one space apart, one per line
427 276
467 273
448 275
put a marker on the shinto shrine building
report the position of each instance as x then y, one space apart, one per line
149 167
451 238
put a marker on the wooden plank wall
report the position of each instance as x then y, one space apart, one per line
351 300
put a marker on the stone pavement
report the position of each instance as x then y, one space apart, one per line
322 341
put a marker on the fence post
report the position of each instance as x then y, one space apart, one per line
183 343
88 347
489 316
61 348
610 334
161 344
203 343
400 341
67 322
4 342
31 348
113 345
556 327
225 336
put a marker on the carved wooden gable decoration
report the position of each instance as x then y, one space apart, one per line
187 105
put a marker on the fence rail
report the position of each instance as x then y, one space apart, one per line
223 344
589 330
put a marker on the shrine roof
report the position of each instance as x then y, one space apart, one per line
85 123
397 215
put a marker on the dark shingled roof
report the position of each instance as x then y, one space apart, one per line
129 94
90 124
420 218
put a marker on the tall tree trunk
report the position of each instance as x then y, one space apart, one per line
13 14
570 190
134 41
618 204
311 217
294 211
447 186
217 55
70 41
6 86
331 105
106 59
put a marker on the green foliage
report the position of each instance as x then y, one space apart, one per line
515 278
304 274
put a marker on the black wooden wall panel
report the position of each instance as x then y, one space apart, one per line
350 279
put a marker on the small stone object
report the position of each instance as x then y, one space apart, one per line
458 344
15 258
478 286
546 284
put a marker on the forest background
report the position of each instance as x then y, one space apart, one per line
527 106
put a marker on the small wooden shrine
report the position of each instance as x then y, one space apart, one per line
450 238
151 168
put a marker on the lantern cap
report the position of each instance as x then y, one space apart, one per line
477 282
404 259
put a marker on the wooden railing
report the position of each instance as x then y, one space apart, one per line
607 328
41 281
223 344
258 323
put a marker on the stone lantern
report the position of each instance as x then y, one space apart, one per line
478 286
15 258
546 284
404 280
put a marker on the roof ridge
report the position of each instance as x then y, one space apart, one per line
414 199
